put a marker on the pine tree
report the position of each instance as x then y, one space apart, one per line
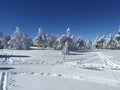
117 36
95 42
66 48
40 39
99 42
117 39
51 40
109 43
19 41
60 42
3 40
68 33
81 43
89 45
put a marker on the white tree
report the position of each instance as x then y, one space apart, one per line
40 39
66 48
68 33
117 39
51 40
109 43
3 40
95 42
19 41
81 44
60 42
99 41
89 44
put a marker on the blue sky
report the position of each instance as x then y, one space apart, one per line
87 18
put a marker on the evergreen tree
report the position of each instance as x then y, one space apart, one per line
89 44
51 40
40 39
3 40
117 39
99 42
60 42
66 48
19 41
81 44
109 43
68 33
117 36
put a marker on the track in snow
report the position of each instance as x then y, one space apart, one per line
3 80
107 60
8 58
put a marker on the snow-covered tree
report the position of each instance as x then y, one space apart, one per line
95 42
50 40
19 41
68 33
117 39
117 36
109 43
89 44
60 42
3 40
40 39
66 48
81 44
99 41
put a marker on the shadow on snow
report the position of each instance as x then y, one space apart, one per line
6 68
9 56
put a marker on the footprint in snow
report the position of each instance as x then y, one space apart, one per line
59 75
42 73
48 73
32 73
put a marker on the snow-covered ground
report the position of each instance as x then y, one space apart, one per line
38 69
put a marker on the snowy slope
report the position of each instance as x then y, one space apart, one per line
39 82
46 70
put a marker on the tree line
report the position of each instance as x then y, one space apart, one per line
21 41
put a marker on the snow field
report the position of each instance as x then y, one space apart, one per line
40 82
43 69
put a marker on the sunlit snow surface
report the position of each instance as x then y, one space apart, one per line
38 69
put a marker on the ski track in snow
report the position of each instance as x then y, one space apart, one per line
3 80
105 59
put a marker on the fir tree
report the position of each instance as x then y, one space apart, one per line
19 41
